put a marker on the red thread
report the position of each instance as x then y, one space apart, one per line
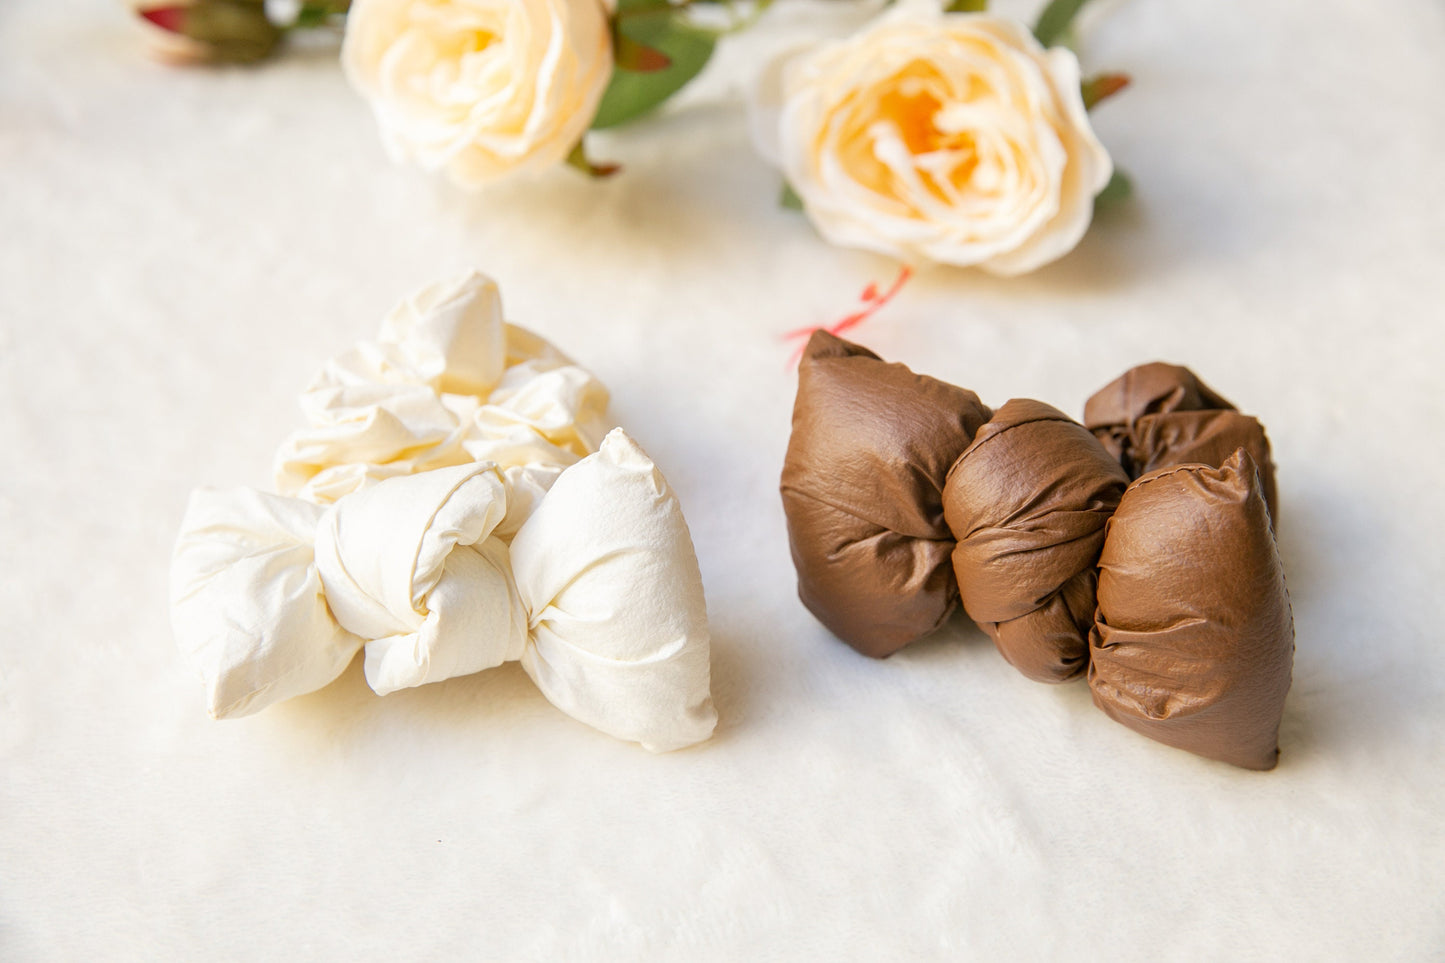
167 18
872 301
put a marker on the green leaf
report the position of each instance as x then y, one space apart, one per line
631 94
1056 19
1118 189
966 6
319 13
789 199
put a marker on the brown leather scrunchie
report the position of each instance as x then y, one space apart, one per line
1137 548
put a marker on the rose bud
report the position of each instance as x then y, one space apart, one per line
220 31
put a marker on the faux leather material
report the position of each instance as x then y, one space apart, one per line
1157 415
1204 438
862 489
1168 590
1028 502
1110 413
1194 638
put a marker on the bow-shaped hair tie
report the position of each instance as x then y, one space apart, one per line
597 593
446 382
448 508
1137 548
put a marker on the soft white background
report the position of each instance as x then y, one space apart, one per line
179 249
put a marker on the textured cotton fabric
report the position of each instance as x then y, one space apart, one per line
598 594
247 604
446 382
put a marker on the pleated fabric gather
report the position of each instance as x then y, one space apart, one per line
455 500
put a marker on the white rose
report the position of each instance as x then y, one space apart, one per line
927 136
480 88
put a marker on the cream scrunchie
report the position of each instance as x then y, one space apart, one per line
446 516
446 382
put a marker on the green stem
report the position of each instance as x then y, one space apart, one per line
1056 19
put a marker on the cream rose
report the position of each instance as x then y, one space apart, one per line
929 136
480 88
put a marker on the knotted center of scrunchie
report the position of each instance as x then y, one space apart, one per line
413 567
1028 502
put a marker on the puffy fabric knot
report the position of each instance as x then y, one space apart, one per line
598 593
1193 641
454 502
247 604
863 490
1136 549
1028 501
1157 415
413 567
447 382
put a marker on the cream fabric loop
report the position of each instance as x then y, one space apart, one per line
606 568
451 334
247 603
412 566
565 405
358 441
526 485
474 621
530 464
445 376
458 504
599 594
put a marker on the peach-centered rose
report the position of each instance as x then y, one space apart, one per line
929 136
480 88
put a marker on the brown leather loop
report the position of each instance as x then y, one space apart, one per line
1157 415
862 490
1028 502
1194 639
904 495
